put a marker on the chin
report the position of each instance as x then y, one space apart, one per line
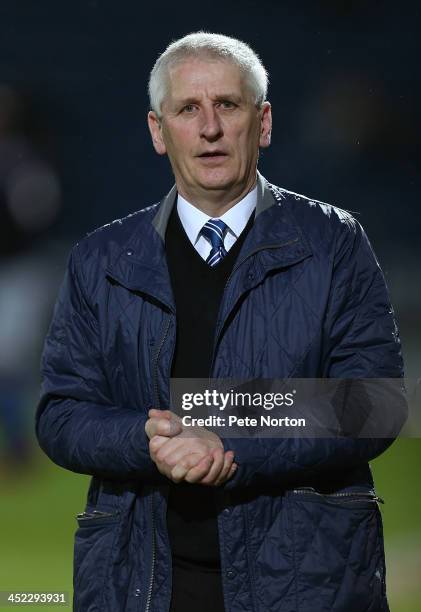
216 180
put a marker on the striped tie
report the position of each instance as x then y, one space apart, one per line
214 230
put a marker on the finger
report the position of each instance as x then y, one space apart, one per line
174 451
228 459
164 414
226 468
230 474
154 412
232 471
217 466
169 427
200 471
155 444
187 463
177 449
159 453
151 428
164 448
162 427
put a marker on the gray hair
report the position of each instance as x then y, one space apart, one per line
208 45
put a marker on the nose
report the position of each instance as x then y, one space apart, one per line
211 127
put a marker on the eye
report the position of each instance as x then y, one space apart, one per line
189 108
227 104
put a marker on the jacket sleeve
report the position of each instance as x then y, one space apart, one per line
360 340
77 424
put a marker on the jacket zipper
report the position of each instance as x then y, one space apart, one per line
86 516
349 494
155 368
156 397
149 595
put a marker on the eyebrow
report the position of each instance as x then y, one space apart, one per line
193 100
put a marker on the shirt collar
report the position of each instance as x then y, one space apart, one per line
236 217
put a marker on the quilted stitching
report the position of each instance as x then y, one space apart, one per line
245 353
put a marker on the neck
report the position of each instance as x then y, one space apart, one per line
216 202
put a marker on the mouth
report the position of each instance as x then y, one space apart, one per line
213 155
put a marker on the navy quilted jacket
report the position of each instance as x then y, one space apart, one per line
306 299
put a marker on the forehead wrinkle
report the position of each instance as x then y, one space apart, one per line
197 81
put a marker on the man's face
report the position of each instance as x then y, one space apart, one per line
210 127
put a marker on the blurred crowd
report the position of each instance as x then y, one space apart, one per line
30 201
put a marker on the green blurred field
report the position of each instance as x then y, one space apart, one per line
38 511
38 521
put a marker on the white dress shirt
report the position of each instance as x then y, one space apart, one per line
235 218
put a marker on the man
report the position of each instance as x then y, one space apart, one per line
229 277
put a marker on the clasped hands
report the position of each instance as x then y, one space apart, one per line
191 454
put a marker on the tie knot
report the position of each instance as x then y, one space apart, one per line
215 230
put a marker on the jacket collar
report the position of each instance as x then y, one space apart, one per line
160 221
141 264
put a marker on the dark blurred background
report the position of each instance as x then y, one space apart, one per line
75 153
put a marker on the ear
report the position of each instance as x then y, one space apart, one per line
155 129
265 125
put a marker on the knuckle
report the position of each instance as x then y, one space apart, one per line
171 462
182 464
160 455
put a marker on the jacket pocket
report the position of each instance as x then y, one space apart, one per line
357 499
97 518
338 550
94 541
